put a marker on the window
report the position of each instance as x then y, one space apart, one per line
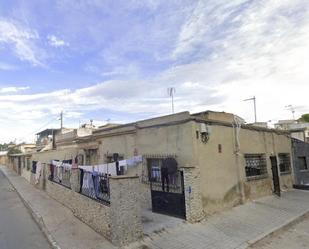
255 165
154 169
110 158
302 163
284 163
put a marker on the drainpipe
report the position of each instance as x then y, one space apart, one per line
240 186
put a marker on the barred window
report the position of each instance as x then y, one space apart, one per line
255 165
284 163
302 163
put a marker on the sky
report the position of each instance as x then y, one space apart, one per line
113 60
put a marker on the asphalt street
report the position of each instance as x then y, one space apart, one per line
17 228
294 237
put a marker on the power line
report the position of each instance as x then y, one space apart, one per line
39 129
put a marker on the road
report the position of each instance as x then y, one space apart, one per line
294 237
17 228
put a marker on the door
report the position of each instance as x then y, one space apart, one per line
276 180
169 198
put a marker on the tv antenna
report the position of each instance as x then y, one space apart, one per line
171 91
254 104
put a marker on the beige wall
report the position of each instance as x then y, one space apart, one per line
60 154
220 175
223 180
4 160
174 139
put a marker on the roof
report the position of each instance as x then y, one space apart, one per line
47 131
179 118
297 130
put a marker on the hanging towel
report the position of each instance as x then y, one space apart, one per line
59 173
67 166
138 159
56 163
38 172
133 161
86 168
111 169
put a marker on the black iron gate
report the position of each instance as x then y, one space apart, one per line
276 181
167 194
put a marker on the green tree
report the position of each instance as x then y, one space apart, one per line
304 118
3 147
14 151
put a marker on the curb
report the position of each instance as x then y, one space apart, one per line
274 231
36 216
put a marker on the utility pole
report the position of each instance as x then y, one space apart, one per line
61 120
254 104
170 92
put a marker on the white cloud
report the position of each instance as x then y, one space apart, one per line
232 51
21 40
13 89
56 42
244 48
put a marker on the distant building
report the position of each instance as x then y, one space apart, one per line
46 139
298 130
25 147
260 124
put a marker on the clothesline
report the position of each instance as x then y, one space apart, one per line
110 168
107 168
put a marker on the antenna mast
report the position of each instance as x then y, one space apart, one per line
171 91
254 103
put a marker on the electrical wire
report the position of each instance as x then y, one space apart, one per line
39 129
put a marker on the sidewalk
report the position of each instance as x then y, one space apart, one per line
58 223
237 228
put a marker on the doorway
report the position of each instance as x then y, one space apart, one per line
276 180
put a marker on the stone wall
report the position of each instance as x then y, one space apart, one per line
193 197
120 221
125 210
89 211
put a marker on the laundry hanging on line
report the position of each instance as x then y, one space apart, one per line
108 168
58 164
38 172
131 162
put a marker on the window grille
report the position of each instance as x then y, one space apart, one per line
302 163
96 187
255 165
284 163
154 176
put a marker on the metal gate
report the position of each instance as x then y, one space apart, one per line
276 181
167 194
